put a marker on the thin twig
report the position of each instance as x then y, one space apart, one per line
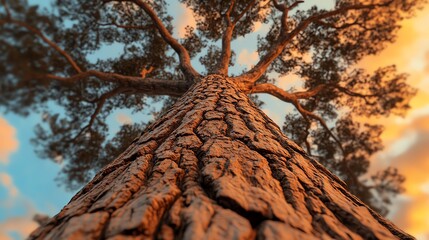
294 100
100 103
247 8
343 26
307 143
113 23
294 5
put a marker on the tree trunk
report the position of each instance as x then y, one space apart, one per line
216 167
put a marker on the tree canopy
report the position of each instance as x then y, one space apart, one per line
47 61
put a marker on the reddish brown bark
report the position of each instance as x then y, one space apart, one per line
216 167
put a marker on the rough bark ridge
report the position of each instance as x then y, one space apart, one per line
216 167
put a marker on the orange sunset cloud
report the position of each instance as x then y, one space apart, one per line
407 139
185 18
8 141
247 58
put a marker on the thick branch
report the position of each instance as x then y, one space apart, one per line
280 93
227 36
275 91
293 99
322 87
226 42
149 86
285 12
185 60
278 46
228 13
311 92
226 51
280 7
44 39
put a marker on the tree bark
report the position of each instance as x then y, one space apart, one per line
216 167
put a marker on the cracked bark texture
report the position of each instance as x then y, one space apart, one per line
215 167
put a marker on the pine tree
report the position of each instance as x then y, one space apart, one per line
212 165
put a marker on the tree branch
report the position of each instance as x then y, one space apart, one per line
278 46
275 91
185 60
228 13
294 5
100 103
293 99
316 90
44 39
343 26
113 23
225 57
223 64
149 86
311 92
285 12
278 6
305 114
247 8
307 143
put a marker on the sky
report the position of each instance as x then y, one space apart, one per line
27 183
407 139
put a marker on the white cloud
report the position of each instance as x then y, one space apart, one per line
123 119
408 153
7 183
258 26
247 58
22 225
8 141
290 81
4 236
402 144
185 18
